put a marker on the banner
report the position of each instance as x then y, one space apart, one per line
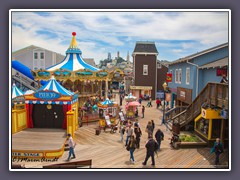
169 77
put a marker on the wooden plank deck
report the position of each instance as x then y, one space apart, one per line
106 150
39 139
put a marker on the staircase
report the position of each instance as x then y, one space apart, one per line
24 83
213 95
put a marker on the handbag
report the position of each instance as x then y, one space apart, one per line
127 148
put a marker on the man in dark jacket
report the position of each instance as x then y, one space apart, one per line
150 146
159 137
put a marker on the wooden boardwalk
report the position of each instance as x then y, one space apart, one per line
106 151
39 139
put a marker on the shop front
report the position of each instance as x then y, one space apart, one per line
141 91
210 124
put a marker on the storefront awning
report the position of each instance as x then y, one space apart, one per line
219 63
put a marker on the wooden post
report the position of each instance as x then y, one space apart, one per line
70 123
223 128
106 89
210 129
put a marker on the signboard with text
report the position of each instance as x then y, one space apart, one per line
47 95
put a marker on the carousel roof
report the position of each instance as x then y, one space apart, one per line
53 85
16 91
73 60
130 97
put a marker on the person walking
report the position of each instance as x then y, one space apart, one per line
149 129
132 146
71 145
129 132
159 136
150 147
121 130
138 134
153 125
218 149
143 110
158 102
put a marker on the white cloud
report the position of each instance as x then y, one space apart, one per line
101 32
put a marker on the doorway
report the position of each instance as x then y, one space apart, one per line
47 116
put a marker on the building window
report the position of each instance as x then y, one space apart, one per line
176 75
35 55
180 76
187 75
159 65
41 55
145 69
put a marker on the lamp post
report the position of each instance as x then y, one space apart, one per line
164 98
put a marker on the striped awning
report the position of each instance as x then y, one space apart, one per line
51 102
73 60
107 102
16 91
53 85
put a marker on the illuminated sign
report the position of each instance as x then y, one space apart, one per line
47 95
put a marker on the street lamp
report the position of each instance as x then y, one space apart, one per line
164 98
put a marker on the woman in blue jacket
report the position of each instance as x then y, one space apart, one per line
218 149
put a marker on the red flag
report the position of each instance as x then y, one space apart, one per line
169 77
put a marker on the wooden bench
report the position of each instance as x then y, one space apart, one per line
70 165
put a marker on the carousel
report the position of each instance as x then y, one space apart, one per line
108 112
131 106
77 75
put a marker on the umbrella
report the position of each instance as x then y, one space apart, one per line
134 103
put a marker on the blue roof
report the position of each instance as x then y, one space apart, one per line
107 102
73 60
53 85
16 91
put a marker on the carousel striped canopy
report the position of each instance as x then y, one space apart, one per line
16 91
130 97
73 60
53 85
107 102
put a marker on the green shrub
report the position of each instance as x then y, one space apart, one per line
188 138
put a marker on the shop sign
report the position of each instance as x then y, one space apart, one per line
20 154
141 87
169 77
168 97
183 94
47 95
204 112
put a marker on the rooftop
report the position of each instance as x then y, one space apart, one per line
145 47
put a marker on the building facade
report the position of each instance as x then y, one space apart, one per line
36 57
149 74
192 73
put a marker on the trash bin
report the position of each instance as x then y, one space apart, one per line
97 131
176 128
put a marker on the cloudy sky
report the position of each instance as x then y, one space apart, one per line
176 34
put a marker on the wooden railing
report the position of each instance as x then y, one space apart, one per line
70 165
173 112
212 95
